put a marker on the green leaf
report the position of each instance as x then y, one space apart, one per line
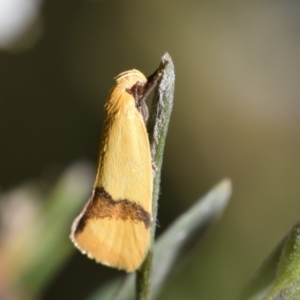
159 118
52 247
174 244
279 276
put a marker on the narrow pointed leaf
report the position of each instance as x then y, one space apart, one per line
53 245
279 276
174 243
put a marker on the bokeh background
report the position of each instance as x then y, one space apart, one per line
236 114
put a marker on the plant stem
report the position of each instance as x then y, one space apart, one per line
158 122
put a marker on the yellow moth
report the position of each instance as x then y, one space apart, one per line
114 226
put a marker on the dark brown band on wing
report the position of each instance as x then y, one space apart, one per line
101 205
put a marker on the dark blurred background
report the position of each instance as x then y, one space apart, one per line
236 114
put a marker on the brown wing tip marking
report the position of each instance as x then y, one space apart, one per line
101 205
